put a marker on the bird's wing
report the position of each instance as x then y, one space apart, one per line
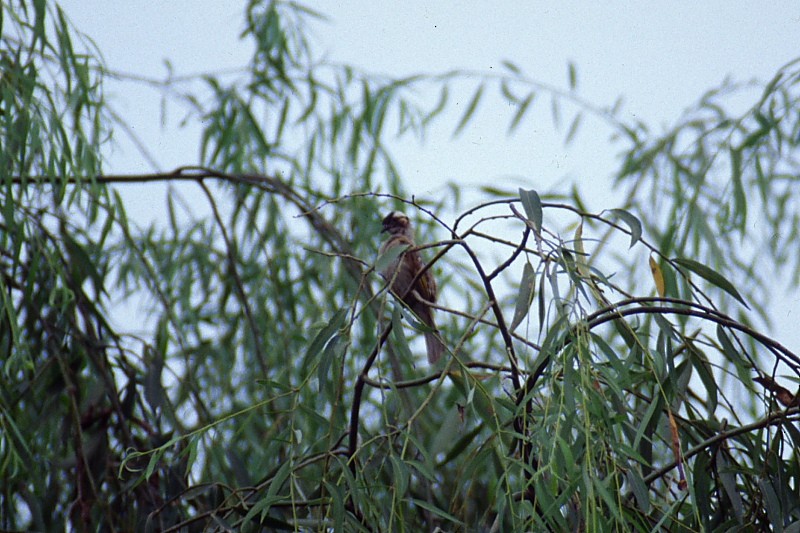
402 271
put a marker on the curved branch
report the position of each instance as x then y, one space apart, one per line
776 418
248 311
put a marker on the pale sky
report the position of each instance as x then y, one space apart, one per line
659 56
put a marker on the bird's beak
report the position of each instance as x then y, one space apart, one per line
385 229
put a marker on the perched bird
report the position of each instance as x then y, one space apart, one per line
402 271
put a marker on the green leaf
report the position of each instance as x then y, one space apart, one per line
333 351
521 109
739 198
337 507
387 258
400 475
511 66
704 371
555 112
192 455
155 456
573 76
639 489
633 223
439 107
526 289
774 510
647 423
448 432
542 304
495 191
702 484
324 335
280 478
435 510
605 494
401 343
154 392
463 443
262 507
471 107
730 350
508 94
711 276
533 207
727 476
573 128
81 264
40 8
422 467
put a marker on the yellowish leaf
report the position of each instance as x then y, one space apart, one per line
658 277
581 262
676 449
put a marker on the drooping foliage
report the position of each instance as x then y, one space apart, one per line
238 363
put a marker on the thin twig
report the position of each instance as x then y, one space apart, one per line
237 280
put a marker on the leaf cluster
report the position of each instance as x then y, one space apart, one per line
239 364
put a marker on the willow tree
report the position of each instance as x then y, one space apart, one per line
239 364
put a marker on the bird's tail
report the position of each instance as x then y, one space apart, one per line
433 341
434 345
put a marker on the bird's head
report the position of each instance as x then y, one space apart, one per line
396 223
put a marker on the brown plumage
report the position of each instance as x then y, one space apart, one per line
402 271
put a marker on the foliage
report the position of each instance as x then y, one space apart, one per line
605 373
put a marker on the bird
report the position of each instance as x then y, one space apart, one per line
403 270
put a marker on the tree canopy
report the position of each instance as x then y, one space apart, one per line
239 365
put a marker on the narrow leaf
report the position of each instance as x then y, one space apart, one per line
573 76
436 511
400 475
739 198
510 66
471 107
639 489
337 505
555 111
508 94
401 343
525 297
729 349
533 207
279 479
773 506
676 449
706 376
440 106
262 507
573 128
332 352
542 309
521 109
658 277
581 262
386 259
633 223
646 423
601 488
154 392
711 276
728 478
324 335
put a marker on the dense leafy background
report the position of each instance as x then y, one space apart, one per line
609 370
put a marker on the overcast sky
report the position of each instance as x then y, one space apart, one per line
659 56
